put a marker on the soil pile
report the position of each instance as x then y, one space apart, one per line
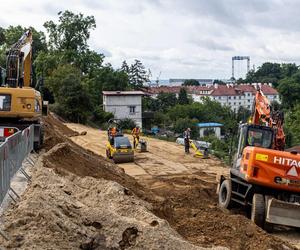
71 212
190 206
67 158
55 132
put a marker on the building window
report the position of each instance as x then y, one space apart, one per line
248 100
229 97
234 97
248 94
132 110
240 103
240 97
248 106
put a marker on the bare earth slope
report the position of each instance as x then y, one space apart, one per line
186 188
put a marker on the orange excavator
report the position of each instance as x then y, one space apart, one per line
263 176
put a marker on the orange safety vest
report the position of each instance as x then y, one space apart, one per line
135 132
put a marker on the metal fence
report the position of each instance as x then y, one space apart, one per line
13 151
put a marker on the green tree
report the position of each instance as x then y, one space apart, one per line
292 128
166 100
71 32
243 114
271 72
183 123
2 36
69 37
125 68
127 123
150 104
191 82
289 89
71 98
183 97
138 75
219 82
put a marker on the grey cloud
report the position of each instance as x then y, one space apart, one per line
52 8
211 44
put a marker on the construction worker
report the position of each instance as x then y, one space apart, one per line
112 133
136 136
187 137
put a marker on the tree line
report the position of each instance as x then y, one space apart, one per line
69 74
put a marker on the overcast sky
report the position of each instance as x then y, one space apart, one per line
180 38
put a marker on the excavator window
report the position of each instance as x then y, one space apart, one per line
5 102
256 136
259 137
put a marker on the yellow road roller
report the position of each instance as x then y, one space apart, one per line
119 149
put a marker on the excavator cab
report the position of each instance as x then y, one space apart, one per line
251 135
254 136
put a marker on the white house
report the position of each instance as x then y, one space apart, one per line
124 104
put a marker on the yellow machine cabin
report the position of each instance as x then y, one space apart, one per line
20 103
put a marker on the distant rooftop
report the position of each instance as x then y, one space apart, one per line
117 93
209 124
209 81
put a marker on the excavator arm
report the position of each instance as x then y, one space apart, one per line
263 115
18 62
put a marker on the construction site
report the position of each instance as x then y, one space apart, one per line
79 200
91 157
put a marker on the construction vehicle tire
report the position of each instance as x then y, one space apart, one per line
225 194
258 210
269 227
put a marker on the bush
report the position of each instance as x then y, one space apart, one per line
127 123
183 123
100 116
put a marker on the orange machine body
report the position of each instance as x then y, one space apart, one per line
271 168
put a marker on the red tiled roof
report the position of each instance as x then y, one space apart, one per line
217 90
223 90
268 90
246 88
176 89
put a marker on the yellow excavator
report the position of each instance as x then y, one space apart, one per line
20 104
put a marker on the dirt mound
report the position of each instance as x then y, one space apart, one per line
55 131
190 206
71 212
68 157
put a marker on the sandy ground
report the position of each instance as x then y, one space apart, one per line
163 159
166 170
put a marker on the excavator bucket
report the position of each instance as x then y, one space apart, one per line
283 213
